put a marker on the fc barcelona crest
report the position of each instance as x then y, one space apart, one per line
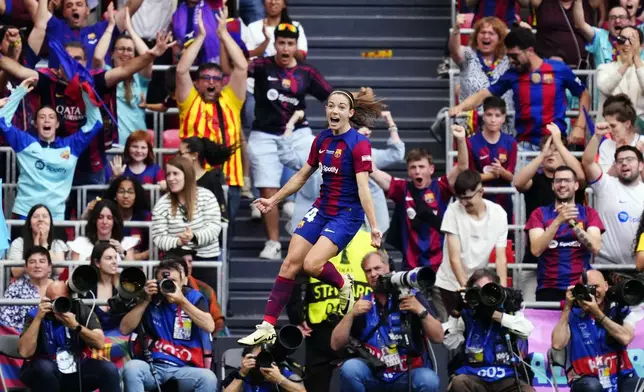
503 158
535 78
286 83
337 153
429 197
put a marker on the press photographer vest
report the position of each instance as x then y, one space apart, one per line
486 351
590 352
387 339
176 338
322 299
57 337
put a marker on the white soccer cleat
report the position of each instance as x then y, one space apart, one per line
346 295
265 332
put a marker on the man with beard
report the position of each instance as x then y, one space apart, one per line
602 43
539 88
563 236
619 199
75 27
420 204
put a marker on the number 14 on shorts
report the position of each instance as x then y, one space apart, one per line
309 217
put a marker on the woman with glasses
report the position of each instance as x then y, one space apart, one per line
131 93
132 203
188 216
201 152
138 161
104 225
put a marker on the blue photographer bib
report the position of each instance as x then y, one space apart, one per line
486 350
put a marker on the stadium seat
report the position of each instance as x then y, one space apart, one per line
152 135
171 138
9 348
556 358
230 360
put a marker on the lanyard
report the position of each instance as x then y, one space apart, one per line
487 336
489 70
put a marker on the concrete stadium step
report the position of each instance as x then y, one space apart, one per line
297 9
254 267
364 41
373 3
402 122
420 66
248 304
389 81
372 25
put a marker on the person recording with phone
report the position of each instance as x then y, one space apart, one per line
178 328
563 236
386 345
492 333
49 344
252 377
595 328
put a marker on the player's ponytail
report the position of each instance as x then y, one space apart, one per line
367 108
209 152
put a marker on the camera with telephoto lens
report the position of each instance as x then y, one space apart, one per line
129 290
421 278
166 285
494 296
289 339
61 305
584 292
629 292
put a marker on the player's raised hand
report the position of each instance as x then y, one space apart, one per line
376 238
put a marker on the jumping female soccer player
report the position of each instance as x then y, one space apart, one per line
344 157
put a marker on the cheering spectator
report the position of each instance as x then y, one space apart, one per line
138 161
55 91
532 77
620 114
32 285
262 33
507 11
211 110
187 21
131 92
105 260
187 216
45 162
186 256
535 181
75 27
602 43
634 11
626 75
420 204
619 200
473 228
38 230
133 206
484 61
204 152
47 343
281 87
104 225
494 154
563 236
554 30
153 17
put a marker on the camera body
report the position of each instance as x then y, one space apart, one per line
356 349
166 285
493 296
61 305
584 292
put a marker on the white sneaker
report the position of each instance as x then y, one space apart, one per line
346 295
288 209
255 213
272 250
246 192
265 332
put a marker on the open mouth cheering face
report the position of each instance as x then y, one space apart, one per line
75 12
47 123
338 112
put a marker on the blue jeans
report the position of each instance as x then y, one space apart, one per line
43 375
591 384
355 375
251 10
137 377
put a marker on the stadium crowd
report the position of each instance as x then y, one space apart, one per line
77 83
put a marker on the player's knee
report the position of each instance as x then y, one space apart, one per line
289 268
313 266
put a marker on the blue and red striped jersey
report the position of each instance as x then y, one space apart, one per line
482 155
562 263
506 10
420 247
340 158
539 98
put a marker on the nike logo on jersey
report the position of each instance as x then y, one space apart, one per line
484 157
272 79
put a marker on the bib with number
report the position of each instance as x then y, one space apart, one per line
182 326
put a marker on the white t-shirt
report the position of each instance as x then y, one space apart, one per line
153 16
256 37
16 252
619 207
84 247
607 151
478 238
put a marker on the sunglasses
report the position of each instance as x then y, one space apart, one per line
622 40
287 26
468 198
209 78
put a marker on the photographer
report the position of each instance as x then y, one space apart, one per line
376 322
595 334
52 351
177 321
252 377
486 361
